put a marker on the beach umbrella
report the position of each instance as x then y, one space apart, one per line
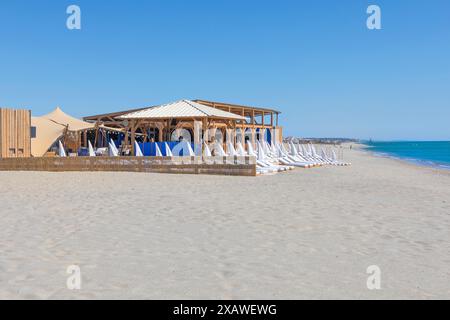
300 150
333 155
231 151
273 147
313 151
251 151
283 147
112 151
114 146
324 154
168 151
158 151
304 151
264 147
91 150
240 149
268 148
207 151
261 154
309 150
138 150
293 149
280 152
219 149
62 152
189 149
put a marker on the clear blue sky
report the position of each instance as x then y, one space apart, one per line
314 60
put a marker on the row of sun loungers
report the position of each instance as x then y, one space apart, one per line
270 158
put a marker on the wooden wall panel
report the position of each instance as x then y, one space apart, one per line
180 165
15 130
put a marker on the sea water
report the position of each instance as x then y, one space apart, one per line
430 153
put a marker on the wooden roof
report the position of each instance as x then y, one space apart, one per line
233 108
228 106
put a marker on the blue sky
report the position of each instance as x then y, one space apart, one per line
314 60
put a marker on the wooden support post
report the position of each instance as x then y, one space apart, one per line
133 136
197 125
253 139
85 142
96 133
160 133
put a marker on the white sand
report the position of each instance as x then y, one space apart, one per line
303 234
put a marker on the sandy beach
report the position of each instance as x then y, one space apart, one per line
304 234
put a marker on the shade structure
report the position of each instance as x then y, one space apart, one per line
181 109
47 132
50 127
72 124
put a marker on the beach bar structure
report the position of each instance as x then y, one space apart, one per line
202 118
15 133
186 136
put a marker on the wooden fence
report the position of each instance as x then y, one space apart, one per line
15 127
233 166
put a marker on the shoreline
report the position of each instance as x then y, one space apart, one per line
417 163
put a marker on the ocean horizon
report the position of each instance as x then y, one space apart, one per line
425 153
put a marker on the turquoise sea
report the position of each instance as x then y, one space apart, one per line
430 153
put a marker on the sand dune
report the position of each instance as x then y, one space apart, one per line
298 235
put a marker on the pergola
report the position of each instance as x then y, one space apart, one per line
198 116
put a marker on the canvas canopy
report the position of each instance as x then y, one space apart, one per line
52 126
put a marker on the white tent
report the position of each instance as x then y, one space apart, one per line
50 127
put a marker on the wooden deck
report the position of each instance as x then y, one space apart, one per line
232 166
